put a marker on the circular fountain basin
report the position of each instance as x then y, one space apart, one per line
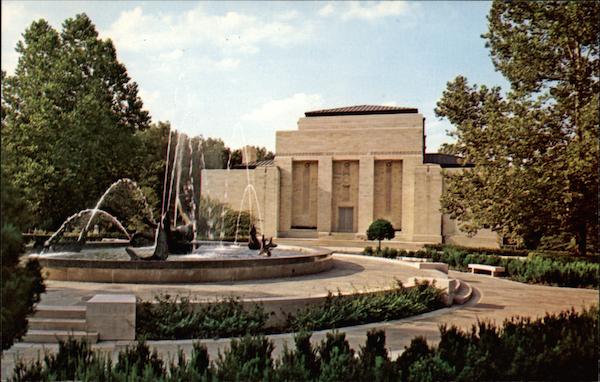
209 263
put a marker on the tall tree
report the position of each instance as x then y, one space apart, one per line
536 149
20 285
71 116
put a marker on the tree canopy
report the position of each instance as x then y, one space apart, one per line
536 147
379 230
70 113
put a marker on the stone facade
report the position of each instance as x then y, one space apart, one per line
338 172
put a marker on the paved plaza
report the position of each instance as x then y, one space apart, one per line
493 299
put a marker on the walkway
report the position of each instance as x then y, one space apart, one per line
493 299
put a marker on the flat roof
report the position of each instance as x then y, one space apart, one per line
362 110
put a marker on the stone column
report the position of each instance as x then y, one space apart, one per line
285 193
409 165
325 183
366 184
427 216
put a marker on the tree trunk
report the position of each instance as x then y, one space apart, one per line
582 239
379 247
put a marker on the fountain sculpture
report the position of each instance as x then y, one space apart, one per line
175 254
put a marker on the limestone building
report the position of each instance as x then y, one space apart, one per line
340 170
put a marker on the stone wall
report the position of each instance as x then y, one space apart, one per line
453 235
387 193
304 194
255 190
344 196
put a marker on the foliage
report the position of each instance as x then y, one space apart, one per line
216 221
261 154
178 318
20 284
555 347
490 251
536 148
339 310
538 268
247 359
70 115
379 230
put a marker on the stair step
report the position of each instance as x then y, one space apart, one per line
75 324
463 293
53 336
53 311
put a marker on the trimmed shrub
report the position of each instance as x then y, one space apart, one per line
338 310
379 230
169 318
550 268
556 347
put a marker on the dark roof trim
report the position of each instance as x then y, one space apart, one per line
362 110
446 160
253 165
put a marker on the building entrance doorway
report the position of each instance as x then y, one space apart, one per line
346 219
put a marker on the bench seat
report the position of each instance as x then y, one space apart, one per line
494 270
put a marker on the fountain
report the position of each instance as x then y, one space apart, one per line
176 256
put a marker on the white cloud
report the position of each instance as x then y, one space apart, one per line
15 19
280 114
436 134
232 32
326 10
369 11
289 15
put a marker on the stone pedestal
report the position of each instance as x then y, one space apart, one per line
112 316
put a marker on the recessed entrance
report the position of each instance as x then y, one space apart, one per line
346 219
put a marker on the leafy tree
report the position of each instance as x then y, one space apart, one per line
379 230
71 115
536 148
261 154
20 285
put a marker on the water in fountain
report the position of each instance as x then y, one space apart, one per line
248 191
191 189
226 199
60 232
120 182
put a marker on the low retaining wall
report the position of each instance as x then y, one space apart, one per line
189 271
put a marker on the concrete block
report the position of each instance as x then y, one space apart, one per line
112 316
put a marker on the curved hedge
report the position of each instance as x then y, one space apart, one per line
538 268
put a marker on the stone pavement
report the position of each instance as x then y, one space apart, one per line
493 299
349 274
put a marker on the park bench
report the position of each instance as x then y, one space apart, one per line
489 268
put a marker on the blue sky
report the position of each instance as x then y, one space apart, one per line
242 70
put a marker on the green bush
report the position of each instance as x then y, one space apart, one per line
540 267
247 359
169 318
379 230
557 347
491 251
178 318
338 310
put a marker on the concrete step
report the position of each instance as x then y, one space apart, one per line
463 293
55 311
68 324
53 336
302 233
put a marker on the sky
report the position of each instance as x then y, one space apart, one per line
240 71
